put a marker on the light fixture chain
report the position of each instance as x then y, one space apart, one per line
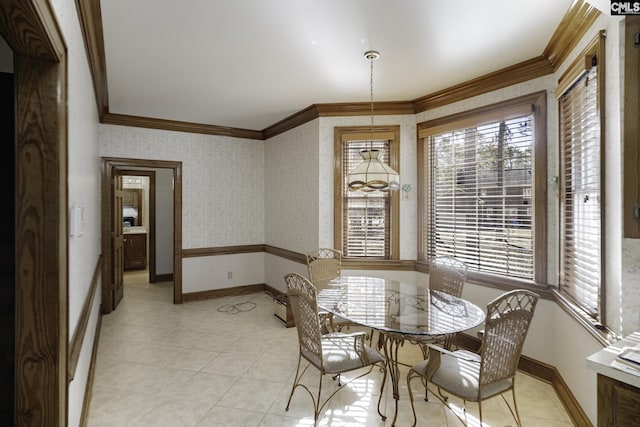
371 95
372 174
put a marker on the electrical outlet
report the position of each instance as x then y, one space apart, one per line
229 275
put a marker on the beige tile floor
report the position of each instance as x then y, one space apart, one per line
197 364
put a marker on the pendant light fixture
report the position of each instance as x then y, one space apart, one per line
372 174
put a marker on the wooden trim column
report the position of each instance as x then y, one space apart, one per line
31 30
631 129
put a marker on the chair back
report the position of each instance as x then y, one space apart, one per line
447 274
302 298
506 326
324 264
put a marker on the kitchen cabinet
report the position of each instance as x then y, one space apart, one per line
618 386
618 403
135 251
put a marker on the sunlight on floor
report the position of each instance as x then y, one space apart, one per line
202 364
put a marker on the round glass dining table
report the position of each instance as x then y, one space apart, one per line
399 311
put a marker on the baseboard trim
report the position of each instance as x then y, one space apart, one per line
569 401
543 372
168 277
217 293
273 291
88 390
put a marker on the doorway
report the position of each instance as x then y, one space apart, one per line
139 221
112 168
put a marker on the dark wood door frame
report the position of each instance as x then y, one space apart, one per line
31 30
109 164
152 217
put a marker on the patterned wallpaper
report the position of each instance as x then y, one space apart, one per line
630 304
292 183
222 182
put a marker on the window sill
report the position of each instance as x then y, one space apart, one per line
378 264
601 333
499 282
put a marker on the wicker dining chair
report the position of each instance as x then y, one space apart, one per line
474 377
325 264
448 275
331 354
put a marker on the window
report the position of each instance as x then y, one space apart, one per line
482 177
581 197
366 224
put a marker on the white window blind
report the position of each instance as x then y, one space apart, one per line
581 222
366 216
480 192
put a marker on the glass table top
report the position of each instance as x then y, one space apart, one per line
394 306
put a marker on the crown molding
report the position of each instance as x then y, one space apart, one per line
518 73
573 27
292 121
178 126
365 108
337 109
90 17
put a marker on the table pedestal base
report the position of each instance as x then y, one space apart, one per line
389 343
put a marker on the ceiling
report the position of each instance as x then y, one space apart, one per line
250 63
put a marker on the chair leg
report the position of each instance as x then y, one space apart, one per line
337 376
445 401
384 380
444 398
425 355
316 403
516 415
295 382
410 376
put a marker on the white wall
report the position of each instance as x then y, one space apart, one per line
84 191
275 269
164 221
208 273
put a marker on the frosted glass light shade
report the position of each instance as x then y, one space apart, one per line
372 174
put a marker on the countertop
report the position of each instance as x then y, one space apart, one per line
601 361
134 230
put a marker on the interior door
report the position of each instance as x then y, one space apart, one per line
118 240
